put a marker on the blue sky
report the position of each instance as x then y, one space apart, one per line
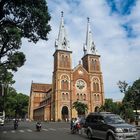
121 7
115 25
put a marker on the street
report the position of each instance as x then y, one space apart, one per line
50 131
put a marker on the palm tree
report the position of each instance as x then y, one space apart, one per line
80 107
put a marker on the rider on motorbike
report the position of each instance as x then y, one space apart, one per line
15 123
75 125
38 126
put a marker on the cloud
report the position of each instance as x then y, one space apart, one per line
116 36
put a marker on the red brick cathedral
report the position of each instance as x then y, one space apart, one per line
83 83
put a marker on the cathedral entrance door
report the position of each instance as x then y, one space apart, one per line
96 109
65 113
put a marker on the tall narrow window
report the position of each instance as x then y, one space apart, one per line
77 96
66 61
84 96
64 85
67 96
62 61
98 98
95 97
94 87
94 64
63 96
97 87
81 97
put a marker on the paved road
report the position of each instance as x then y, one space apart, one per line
27 131
50 131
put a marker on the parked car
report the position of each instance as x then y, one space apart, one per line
108 126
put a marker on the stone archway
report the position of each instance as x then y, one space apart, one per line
65 113
96 109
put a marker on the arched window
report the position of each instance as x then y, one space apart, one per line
96 85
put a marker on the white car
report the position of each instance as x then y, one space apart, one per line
1 120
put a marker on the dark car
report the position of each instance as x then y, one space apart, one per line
108 126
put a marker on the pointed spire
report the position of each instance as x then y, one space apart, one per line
62 43
89 46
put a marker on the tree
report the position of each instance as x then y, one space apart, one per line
132 96
80 107
14 104
20 19
110 106
122 86
21 106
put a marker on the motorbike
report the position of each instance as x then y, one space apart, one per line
75 128
38 126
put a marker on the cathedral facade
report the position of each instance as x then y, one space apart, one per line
83 83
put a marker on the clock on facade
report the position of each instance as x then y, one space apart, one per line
80 84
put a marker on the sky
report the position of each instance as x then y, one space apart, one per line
115 26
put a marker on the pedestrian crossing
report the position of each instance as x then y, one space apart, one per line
33 130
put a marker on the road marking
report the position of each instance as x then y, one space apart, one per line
45 129
29 130
13 131
66 128
21 131
52 129
4 132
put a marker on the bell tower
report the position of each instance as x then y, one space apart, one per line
91 59
61 75
91 63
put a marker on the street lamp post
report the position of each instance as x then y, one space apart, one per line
136 91
3 90
3 93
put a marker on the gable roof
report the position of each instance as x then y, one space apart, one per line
38 87
80 66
